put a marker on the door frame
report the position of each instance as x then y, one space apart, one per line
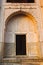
21 33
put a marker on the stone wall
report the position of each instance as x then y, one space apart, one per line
35 10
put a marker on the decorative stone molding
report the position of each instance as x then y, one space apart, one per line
18 60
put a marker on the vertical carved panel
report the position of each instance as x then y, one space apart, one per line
9 50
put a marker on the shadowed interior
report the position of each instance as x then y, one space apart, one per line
21 1
20 44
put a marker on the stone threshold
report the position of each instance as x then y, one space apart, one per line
20 60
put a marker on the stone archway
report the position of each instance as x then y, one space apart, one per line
21 24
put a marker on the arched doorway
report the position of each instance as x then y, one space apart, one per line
21 25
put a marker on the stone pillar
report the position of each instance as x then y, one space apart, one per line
2 32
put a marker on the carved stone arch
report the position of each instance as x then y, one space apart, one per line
30 18
21 12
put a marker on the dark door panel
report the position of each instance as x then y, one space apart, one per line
21 1
20 44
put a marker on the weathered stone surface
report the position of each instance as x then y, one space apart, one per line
31 24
